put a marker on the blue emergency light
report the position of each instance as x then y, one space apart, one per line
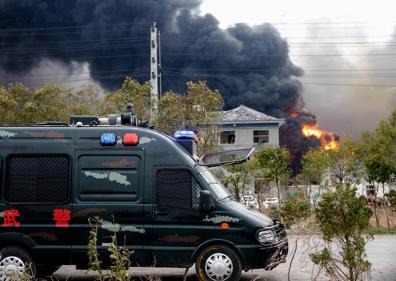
108 139
184 135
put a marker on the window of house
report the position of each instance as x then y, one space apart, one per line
177 188
260 136
37 179
370 190
227 137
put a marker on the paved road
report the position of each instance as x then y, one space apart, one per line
381 253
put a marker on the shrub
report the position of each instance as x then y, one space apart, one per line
343 219
294 208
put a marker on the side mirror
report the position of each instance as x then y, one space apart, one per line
204 200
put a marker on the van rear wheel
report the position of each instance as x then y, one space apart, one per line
218 263
15 262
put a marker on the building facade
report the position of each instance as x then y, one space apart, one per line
243 128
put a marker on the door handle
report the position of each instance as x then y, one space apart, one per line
160 213
106 241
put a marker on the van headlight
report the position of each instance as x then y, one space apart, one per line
265 236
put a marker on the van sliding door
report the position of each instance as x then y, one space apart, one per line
109 194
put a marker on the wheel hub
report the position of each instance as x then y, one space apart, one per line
10 267
219 267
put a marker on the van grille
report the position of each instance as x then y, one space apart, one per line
280 232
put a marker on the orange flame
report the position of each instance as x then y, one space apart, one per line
312 131
328 140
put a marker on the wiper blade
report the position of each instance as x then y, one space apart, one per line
225 158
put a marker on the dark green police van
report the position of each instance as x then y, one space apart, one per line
165 205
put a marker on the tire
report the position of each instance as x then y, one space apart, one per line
15 260
218 263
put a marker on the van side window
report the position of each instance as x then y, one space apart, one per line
37 179
108 177
177 188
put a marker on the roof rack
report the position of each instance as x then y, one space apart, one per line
51 123
127 118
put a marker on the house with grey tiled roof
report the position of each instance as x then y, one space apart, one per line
243 127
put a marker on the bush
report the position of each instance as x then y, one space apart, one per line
294 208
119 256
391 196
343 219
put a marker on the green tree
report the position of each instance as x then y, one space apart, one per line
345 164
295 208
8 105
391 196
131 92
21 106
170 113
84 101
198 109
378 154
20 100
49 103
273 163
316 164
240 176
343 219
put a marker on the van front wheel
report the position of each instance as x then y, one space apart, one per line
15 262
218 263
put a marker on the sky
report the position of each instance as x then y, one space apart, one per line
346 48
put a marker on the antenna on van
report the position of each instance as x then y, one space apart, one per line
128 118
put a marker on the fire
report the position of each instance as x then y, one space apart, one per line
328 140
312 131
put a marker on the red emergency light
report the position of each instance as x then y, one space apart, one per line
130 139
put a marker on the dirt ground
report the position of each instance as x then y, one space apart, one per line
381 253
383 218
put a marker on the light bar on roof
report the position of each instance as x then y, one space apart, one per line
185 134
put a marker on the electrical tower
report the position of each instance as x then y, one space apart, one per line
154 73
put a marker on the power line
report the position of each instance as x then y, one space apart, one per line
132 72
84 57
274 56
350 85
65 33
82 26
62 49
196 54
308 83
89 25
141 74
75 49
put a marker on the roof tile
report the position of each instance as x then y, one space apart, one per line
244 113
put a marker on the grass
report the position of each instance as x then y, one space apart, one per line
381 231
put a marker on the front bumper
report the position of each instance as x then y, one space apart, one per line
278 257
270 255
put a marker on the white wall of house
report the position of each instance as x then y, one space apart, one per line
244 137
361 189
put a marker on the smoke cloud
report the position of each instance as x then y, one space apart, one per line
249 65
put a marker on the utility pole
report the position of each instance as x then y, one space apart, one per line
153 73
159 65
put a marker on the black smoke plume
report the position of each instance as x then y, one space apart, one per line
249 65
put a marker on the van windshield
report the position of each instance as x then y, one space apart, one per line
214 183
